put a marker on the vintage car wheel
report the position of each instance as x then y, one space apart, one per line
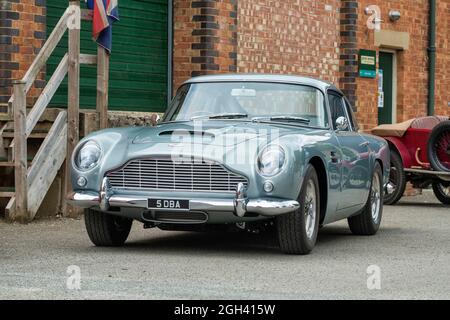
439 147
369 220
297 231
442 192
397 180
106 230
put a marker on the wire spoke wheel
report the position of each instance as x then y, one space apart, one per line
442 191
310 209
439 147
442 149
397 180
369 220
375 197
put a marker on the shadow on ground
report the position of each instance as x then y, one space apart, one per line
237 243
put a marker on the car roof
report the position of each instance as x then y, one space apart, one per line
292 79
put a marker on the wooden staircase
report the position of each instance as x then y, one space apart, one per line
31 150
38 161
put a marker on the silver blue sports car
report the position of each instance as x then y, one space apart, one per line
236 151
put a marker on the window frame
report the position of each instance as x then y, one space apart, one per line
343 99
171 110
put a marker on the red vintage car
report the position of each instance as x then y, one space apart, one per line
420 154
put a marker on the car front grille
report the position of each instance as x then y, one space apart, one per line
165 174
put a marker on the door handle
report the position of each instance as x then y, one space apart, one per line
334 157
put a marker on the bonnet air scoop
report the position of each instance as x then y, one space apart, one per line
184 132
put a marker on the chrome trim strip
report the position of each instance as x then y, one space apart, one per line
264 207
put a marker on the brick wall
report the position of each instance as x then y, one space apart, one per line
291 37
204 38
412 71
22 34
318 38
443 58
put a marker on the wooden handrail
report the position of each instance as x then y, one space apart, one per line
46 146
47 94
45 52
45 165
88 59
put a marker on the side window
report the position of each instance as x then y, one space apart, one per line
337 108
351 115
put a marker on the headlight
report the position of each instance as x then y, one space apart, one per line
88 156
271 161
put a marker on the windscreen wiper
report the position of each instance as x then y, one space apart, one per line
282 118
222 116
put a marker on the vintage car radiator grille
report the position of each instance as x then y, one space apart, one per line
164 174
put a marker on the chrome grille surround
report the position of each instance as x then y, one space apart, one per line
163 174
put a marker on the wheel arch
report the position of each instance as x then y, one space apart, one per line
321 171
380 162
396 145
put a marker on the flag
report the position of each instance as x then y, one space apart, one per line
106 12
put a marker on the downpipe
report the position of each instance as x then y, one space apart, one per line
431 57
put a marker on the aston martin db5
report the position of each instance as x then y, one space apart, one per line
237 151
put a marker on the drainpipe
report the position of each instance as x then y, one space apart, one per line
431 57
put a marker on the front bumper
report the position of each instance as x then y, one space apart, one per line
240 205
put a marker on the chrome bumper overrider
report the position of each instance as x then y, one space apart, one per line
240 205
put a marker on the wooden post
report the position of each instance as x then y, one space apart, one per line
20 151
73 103
102 87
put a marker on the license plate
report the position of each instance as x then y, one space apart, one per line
168 204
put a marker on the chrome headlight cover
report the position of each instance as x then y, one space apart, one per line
87 156
271 160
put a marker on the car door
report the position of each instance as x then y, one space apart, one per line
354 155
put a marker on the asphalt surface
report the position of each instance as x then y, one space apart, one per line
412 252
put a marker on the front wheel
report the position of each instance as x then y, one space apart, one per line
297 231
106 230
397 180
442 192
369 220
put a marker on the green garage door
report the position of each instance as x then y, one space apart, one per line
138 68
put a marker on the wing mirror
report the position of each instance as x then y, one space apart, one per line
155 119
341 124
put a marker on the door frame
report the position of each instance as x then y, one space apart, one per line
394 82
170 46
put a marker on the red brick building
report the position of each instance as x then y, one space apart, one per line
163 42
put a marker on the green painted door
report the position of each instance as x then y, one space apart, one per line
386 65
139 63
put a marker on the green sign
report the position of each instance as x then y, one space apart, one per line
367 63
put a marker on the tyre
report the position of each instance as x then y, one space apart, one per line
106 230
439 147
297 231
369 220
442 192
397 180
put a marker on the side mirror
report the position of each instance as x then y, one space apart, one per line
154 119
341 124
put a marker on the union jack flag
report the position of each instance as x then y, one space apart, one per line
106 12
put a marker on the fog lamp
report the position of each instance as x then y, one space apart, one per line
268 186
81 181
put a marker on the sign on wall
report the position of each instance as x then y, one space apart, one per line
380 89
367 62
